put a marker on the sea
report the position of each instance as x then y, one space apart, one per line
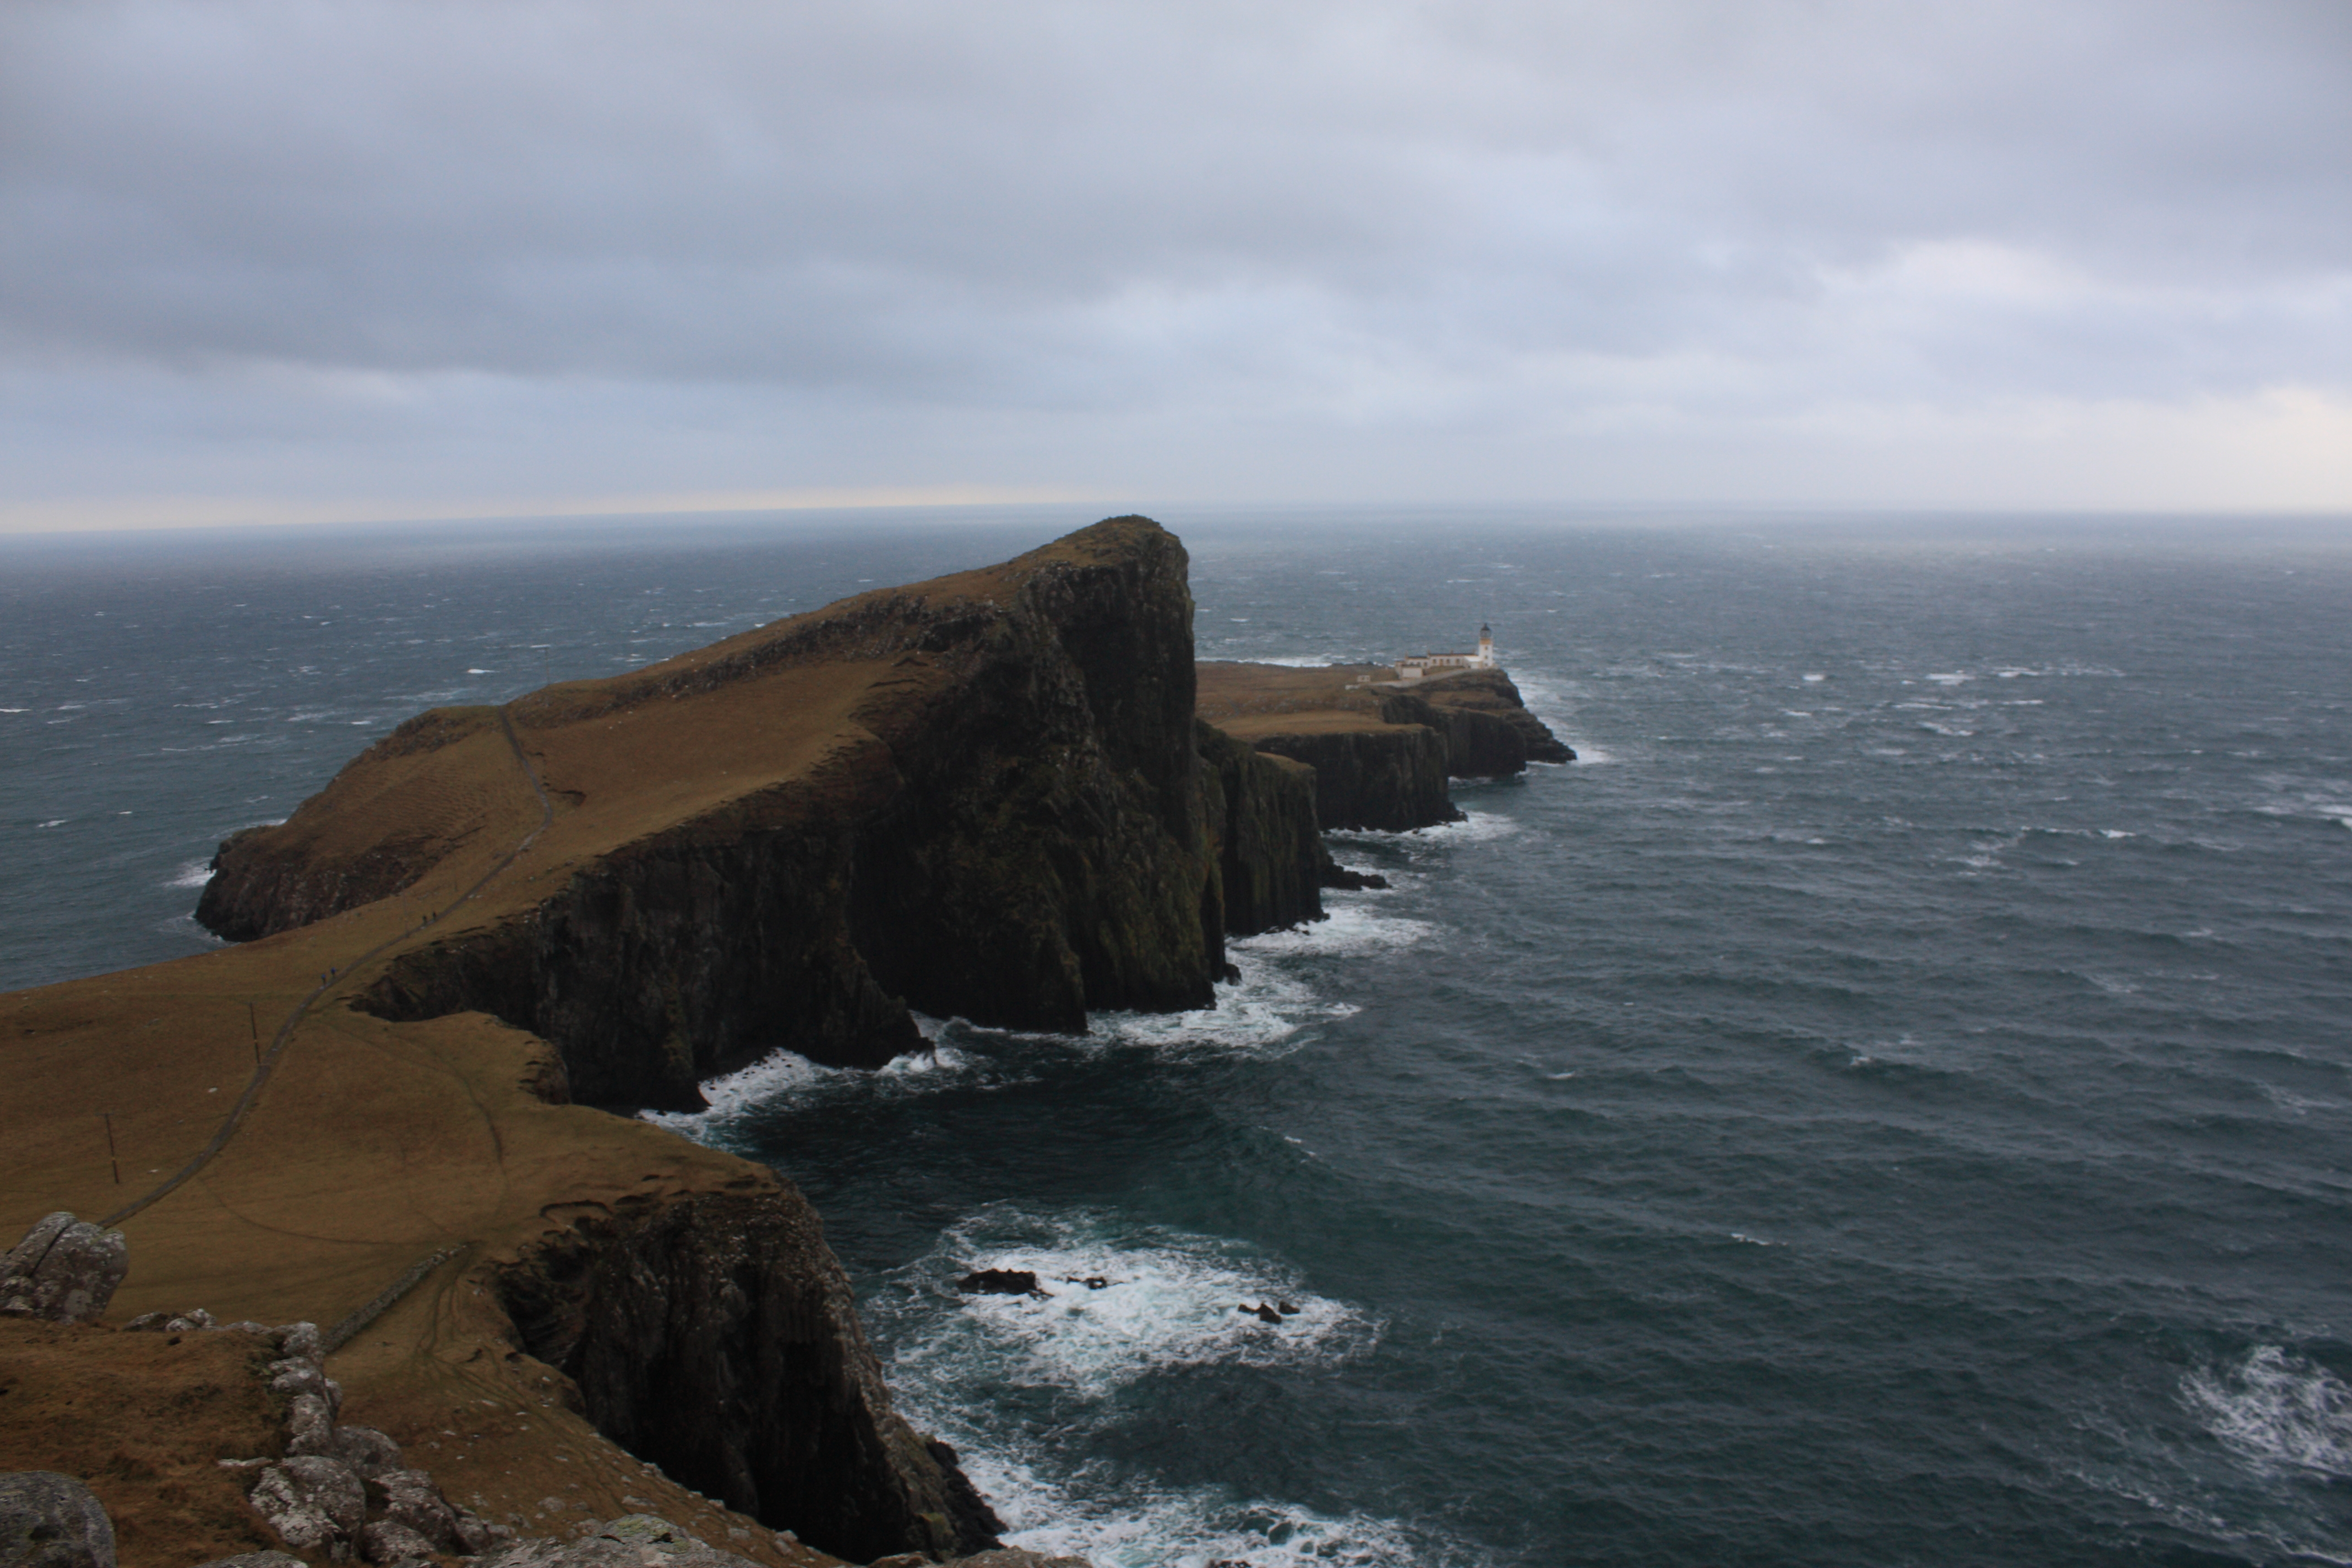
1889 1101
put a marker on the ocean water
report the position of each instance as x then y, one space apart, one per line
1890 1103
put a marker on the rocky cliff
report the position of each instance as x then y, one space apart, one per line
1381 751
982 797
1262 811
1383 776
716 1336
1488 695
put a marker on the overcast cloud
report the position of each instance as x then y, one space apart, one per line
377 259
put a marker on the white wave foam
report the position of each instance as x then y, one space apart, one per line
195 874
1476 828
1356 926
1116 1527
54 822
1266 1009
782 1073
2276 1410
1169 1299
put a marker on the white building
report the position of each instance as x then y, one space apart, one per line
1430 663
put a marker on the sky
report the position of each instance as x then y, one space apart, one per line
284 261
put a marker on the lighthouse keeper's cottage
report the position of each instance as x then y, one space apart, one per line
1430 663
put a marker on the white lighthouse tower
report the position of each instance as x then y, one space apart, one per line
1486 648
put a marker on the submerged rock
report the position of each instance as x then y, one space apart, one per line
1000 1282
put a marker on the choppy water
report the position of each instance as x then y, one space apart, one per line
1887 1104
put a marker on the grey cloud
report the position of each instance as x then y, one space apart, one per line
1438 211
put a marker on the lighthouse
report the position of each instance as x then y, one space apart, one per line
1485 648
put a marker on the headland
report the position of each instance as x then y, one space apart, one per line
1007 796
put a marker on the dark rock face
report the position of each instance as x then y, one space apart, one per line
49 1520
1035 837
672 961
1000 1282
1261 810
1490 692
715 1335
65 1270
1479 745
1466 725
268 880
1388 779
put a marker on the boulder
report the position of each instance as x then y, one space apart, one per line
388 1540
65 1270
311 1427
409 1499
635 1541
1000 1282
49 1520
367 1451
315 1504
257 1560
477 1535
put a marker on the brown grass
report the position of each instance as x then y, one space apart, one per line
376 1143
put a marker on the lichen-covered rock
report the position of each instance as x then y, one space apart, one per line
65 1270
387 1541
368 1453
298 1340
637 1540
255 1560
49 1520
315 1504
475 1534
410 1498
311 1427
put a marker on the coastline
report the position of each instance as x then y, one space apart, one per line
535 1190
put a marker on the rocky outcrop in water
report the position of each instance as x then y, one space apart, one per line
718 1337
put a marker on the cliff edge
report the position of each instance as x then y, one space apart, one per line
980 796
983 795
1381 750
